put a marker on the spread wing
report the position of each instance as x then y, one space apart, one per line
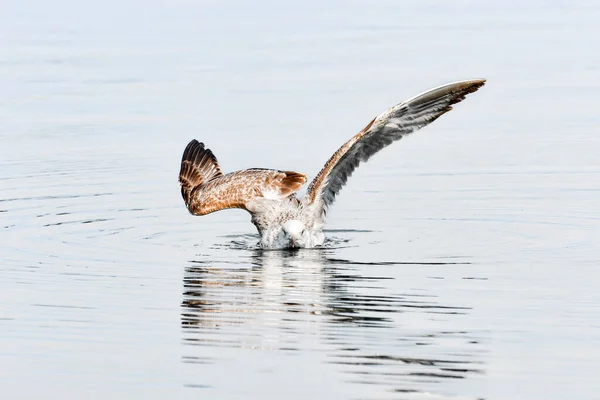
386 128
205 189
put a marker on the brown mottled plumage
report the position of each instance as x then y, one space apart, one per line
269 195
205 189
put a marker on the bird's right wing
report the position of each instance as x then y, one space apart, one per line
386 128
205 189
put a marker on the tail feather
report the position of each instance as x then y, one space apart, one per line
198 165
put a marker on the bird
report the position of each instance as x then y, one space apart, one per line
282 219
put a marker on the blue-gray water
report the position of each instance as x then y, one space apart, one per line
462 262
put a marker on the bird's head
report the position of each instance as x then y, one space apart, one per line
294 230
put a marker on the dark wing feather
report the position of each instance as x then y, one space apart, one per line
386 128
198 165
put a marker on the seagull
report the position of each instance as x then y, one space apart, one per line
282 219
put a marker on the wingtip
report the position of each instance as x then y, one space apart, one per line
472 84
460 90
479 82
194 143
198 165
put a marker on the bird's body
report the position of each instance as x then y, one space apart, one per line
289 223
269 195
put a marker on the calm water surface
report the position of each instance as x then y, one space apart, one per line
461 263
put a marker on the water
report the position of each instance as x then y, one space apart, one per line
460 263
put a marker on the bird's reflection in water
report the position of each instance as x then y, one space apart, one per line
286 301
